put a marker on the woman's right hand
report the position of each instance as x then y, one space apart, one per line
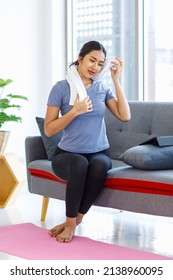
82 107
53 124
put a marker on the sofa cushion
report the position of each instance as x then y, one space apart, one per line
127 178
51 142
149 157
124 178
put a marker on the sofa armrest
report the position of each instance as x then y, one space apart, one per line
34 150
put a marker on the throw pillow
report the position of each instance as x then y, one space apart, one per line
149 157
51 142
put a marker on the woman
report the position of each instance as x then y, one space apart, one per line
80 157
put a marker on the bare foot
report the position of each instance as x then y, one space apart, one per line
67 234
56 230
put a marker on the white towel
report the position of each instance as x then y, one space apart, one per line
76 85
107 65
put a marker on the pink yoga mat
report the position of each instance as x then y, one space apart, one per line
31 242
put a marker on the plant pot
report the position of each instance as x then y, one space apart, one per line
4 135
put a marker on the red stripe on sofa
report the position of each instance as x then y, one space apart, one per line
139 186
46 175
118 183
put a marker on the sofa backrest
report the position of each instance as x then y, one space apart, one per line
148 119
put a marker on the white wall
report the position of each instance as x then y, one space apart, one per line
32 54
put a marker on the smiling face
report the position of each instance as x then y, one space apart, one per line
91 64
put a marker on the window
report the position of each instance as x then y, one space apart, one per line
138 32
158 51
108 22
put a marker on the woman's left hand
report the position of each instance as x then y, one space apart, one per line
116 68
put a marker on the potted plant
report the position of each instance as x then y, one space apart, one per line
6 106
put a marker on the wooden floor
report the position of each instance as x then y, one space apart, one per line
139 231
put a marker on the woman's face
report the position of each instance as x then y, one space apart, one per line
91 64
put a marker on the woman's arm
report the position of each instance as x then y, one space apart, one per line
54 124
118 106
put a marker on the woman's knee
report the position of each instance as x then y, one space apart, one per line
79 165
100 164
67 164
59 168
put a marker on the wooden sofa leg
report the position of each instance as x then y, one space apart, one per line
45 203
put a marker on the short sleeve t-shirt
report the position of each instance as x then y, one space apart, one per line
86 133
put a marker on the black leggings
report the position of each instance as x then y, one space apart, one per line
85 175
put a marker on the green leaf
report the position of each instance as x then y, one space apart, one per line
2 117
17 96
8 118
8 81
4 83
4 103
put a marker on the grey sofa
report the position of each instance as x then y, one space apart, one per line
126 187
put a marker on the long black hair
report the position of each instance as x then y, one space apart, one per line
89 47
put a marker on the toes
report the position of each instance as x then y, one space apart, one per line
52 232
62 239
66 236
67 240
56 230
